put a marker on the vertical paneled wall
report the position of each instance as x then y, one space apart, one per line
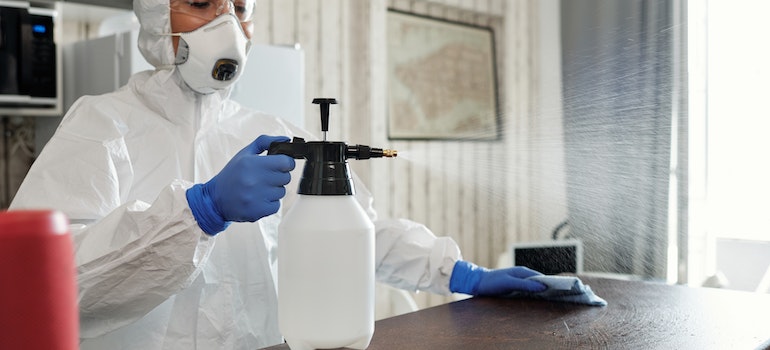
449 185
477 192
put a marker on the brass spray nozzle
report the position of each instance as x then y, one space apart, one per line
366 152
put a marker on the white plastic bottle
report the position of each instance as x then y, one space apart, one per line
326 249
326 274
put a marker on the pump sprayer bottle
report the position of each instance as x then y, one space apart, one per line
326 249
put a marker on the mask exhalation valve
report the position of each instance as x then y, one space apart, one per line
225 69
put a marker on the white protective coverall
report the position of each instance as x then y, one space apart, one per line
149 278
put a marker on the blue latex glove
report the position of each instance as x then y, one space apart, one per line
248 188
470 279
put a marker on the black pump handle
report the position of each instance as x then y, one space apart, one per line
325 102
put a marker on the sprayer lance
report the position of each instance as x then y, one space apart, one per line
366 152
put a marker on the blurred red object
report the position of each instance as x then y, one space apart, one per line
38 292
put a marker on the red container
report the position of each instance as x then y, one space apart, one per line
38 293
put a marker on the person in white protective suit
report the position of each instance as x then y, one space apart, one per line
174 209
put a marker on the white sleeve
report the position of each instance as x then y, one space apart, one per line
135 258
407 254
130 256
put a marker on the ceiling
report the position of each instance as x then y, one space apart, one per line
116 4
81 12
121 4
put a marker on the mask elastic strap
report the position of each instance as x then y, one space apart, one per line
168 66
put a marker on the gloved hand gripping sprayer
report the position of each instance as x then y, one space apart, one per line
326 248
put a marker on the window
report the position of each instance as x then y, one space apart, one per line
729 73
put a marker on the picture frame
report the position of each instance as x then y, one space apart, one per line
442 79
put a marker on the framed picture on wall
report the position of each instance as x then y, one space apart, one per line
441 79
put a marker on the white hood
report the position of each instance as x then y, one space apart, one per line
154 41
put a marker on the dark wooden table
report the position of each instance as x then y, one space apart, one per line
640 315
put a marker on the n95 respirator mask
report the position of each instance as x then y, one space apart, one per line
213 56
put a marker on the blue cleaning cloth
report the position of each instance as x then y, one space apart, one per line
567 289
